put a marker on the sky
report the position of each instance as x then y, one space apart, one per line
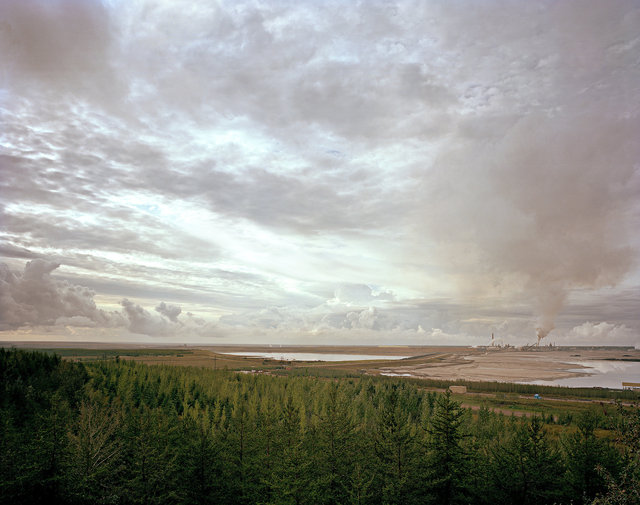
320 172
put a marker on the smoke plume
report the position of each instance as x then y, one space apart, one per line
537 207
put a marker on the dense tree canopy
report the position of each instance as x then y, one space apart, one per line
120 432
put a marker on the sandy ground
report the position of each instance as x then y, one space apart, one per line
510 365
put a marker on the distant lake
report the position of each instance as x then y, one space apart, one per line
313 356
604 374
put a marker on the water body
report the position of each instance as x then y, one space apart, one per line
314 356
603 374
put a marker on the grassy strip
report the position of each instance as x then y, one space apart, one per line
530 389
322 373
112 353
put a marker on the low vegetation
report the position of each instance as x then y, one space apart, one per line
102 354
118 431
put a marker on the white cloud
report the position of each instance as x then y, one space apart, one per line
603 333
170 311
35 298
142 321
358 295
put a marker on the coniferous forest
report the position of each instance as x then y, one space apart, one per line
120 432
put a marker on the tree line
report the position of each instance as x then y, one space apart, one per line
121 432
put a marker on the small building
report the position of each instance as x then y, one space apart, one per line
458 389
631 385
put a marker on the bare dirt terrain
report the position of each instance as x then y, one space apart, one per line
429 362
509 365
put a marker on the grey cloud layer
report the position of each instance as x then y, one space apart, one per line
231 68
36 298
494 144
57 41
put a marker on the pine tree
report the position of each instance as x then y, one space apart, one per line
584 455
527 469
334 449
241 446
152 456
288 481
625 488
95 456
266 443
447 458
200 461
395 447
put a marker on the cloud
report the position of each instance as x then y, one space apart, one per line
63 304
354 306
142 321
544 208
285 68
170 311
12 251
80 229
367 318
358 294
603 333
538 194
35 298
60 43
251 157
82 321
